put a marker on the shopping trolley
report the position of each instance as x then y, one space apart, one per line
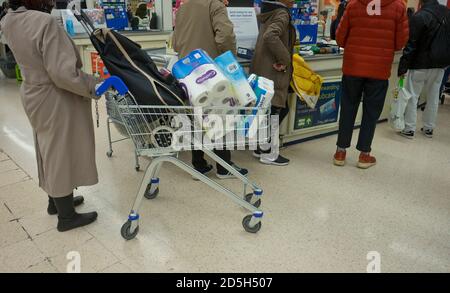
157 132
113 117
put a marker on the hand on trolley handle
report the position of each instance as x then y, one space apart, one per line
112 82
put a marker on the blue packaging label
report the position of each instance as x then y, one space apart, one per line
230 66
185 66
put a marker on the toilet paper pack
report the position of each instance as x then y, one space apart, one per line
204 83
235 73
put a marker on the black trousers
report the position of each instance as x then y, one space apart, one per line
373 93
198 159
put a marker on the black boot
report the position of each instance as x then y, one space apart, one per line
68 219
51 209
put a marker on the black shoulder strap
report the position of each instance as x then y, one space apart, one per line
440 21
438 27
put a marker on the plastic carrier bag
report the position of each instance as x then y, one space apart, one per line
398 107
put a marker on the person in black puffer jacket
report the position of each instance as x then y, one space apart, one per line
424 70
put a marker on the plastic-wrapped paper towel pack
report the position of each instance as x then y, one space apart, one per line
231 68
264 91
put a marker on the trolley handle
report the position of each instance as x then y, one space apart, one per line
81 16
112 82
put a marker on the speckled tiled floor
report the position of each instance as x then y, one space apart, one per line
318 218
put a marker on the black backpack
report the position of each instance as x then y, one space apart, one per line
439 50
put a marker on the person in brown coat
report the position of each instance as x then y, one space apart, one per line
273 58
204 24
56 96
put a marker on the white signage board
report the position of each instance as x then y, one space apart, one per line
245 26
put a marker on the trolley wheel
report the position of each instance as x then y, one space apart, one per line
125 231
246 224
109 154
137 168
248 199
148 194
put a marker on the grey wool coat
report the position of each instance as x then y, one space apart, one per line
57 97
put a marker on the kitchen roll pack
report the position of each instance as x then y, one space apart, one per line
231 68
264 91
203 81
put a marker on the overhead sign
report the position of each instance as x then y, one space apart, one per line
245 26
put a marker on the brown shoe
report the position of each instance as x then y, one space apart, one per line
366 161
339 158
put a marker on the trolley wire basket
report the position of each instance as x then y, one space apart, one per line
161 132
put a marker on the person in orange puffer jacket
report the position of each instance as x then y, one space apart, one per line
370 31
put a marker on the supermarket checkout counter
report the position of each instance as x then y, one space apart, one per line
303 123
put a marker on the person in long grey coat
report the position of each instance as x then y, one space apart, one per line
273 59
57 97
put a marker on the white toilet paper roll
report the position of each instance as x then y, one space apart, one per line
205 84
227 120
245 96
222 87
214 126
200 98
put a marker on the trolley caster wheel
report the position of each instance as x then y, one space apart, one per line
125 231
246 224
248 198
148 194
137 168
109 154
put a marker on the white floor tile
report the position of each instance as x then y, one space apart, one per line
93 258
20 257
318 217
7 165
24 198
54 243
12 232
11 177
